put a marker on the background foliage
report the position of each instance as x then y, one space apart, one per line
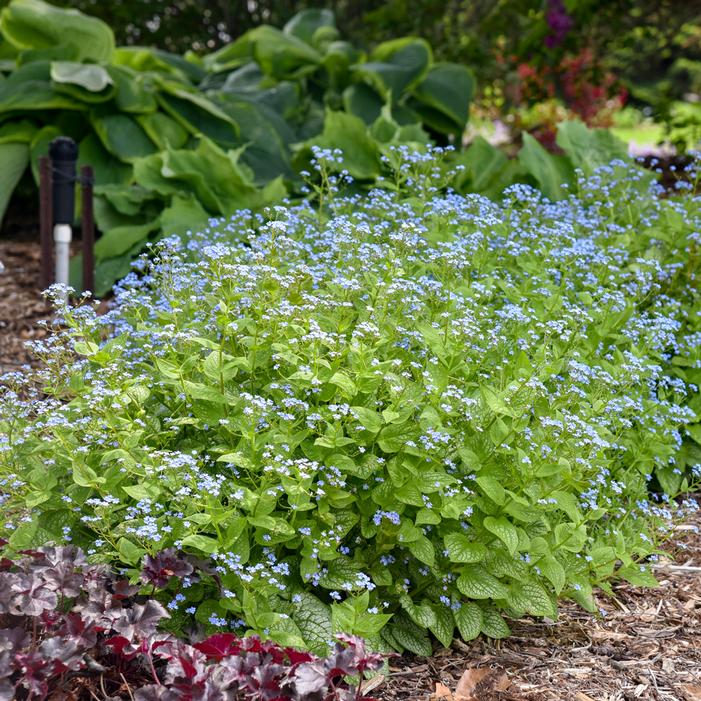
175 140
491 37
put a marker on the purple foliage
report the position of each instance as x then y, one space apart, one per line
559 23
71 630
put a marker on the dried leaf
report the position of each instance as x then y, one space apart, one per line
466 689
442 693
692 692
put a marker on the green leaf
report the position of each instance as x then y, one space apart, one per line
370 420
304 24
135 92
447 89
199 115
483 163
122 136
17 132
590 148
362 101
395 66
342 574
638 575
122 239
203 543
349 134
410 636
33 24
553 571
493 625
92 77
342 380
468 619
282 55
531 597
492 488
185 213
422 549
461 549
443 625
129 552
143 490
29 89
423 615
85 476
313 618
162 130
503 529
571 537
14 158
392 438
106 168
476 583
550 171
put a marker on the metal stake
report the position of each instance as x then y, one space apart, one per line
87 229
46 221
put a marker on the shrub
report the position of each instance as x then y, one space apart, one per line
64 622
397 414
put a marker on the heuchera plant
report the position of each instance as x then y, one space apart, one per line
384 416
69 629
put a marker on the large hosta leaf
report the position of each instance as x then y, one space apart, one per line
363 101
29 88
349 133
282 55
549 171
265 135
589 148
305 23
122 136
33 24
14 157
87 75
199 115
395 66
106 168
446 90
135 92
216 177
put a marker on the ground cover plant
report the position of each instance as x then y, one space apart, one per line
389 415
70 629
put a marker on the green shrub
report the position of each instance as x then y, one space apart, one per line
403 413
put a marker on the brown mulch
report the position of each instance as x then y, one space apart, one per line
648 646
21 305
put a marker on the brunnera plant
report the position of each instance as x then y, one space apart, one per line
397 415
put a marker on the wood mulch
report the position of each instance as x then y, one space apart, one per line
22 307
647 647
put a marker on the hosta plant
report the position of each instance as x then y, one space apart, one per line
393 415
175 140
68 629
